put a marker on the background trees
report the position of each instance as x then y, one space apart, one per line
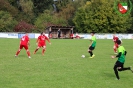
99 16
7 22
85 15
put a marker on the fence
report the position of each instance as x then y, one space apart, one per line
84 36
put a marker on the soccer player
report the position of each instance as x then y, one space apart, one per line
119 65
41 41
24 42
59 33
92 45
115 47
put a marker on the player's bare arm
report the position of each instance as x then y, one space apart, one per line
91 43
49 41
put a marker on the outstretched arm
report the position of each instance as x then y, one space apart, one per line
119 54
48 40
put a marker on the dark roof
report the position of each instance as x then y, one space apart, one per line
62 27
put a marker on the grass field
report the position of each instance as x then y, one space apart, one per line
62 65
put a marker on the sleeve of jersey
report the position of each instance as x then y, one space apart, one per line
125 53
119 54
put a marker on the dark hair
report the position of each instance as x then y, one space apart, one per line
41 33
118 42
93 32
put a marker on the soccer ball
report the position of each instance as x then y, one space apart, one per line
83 56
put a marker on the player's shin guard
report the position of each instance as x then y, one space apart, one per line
91 53
28 53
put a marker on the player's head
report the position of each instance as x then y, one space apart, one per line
92 33
118 42
42 33
114 35
26 34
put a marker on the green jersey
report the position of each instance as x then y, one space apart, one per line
122 57
93 38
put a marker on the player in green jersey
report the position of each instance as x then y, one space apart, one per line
119 65
92 45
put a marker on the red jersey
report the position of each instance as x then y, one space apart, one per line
24 40
42 38
115 38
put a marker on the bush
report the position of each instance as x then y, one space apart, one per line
7 22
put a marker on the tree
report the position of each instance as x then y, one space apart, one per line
5 6
47 18
99 16
7 22
41 5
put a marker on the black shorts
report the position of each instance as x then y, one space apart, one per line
91 48
118 64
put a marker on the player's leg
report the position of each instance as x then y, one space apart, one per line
122 68
115 49
39 45
27 51
44 49
116 66
20 48
90 51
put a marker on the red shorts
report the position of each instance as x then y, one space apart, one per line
116 45
25 46
41 44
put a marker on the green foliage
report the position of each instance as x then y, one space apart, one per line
7 22
41 5
5 6
99 16
85 15
45 18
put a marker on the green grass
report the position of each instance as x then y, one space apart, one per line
62 65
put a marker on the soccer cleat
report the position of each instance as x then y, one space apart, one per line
131 69
117 79
92 56
115 53
15 55
29 57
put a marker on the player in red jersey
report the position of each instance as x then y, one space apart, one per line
24 42
115 38
41 41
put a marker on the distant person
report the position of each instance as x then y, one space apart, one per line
59 33
71 34
115 47
119 65
24 42
92 45
41 42
77 36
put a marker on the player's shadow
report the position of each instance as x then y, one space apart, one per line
108 75
22 56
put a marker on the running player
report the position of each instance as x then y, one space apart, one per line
115 38
92 45
24 42
41 41
119 65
